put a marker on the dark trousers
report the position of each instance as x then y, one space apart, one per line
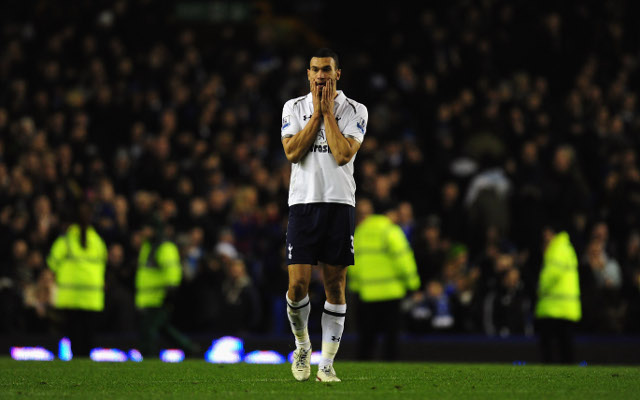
556 339
80 327
154 325
376 319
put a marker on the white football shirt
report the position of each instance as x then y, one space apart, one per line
317 177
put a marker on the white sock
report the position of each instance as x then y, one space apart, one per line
332 328
298 313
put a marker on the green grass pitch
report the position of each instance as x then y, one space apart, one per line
195 379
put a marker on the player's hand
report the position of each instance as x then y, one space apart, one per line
316 94
328 96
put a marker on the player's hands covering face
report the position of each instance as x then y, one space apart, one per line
328 96
316 92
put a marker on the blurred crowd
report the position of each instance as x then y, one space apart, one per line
487 120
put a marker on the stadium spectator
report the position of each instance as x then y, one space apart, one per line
631 285
431 310
429 249
459 281
603 282
506 307
241 308
39 302
119 300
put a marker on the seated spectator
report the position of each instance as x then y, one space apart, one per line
39 303
430 310
602 283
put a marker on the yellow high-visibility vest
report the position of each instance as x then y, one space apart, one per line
79 270
559 284
156 273
385 267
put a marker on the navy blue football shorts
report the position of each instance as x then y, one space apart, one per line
320 232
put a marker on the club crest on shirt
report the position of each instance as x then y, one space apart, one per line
320 145
362 125
321 138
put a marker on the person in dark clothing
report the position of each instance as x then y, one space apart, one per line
241 307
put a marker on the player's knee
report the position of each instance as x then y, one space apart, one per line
335 293
298 290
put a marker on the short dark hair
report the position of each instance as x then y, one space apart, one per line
326 52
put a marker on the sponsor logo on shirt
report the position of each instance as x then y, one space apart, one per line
320 148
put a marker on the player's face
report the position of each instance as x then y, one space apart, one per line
321 70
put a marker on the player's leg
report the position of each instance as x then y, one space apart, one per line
336 255
298 305
333 316
298 309
301 250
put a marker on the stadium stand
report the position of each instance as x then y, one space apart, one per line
487 121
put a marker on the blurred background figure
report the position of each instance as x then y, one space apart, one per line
158 278
601 281
119 301
384 271
506 306
558 308
79 260
39 303
241 308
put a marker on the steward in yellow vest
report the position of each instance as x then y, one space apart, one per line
79 259
385 269
158 278
159 273
79 269
558 307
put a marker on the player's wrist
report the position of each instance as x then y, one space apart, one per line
328 114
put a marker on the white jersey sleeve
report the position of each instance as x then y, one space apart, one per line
357 125
290 123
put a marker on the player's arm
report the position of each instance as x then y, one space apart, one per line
297 145
343 148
